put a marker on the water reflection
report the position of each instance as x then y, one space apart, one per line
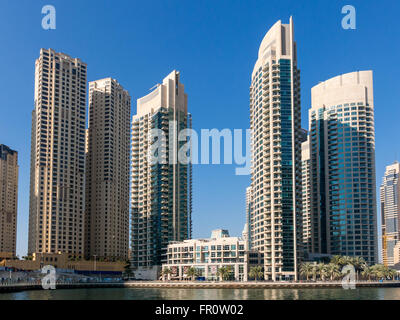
207 294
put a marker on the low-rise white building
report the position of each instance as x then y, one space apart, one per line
207 256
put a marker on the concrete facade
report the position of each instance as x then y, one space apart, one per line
342 149
207 256
306 186
8 200
107 171
390 212
276 154
57 179
161 197
62 261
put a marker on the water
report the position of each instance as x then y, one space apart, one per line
206 294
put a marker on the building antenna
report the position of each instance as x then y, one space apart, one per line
157 85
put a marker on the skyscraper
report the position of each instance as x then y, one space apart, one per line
161 191
342 147
8 199
249 205
276 153
390 211
306 188
107 171
57 187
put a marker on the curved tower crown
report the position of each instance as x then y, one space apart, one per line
161 192
342 153
275 193
345 88
278 42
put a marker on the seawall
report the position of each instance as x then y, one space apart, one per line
200 285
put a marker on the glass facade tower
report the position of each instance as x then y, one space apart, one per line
342 155
161 202
275 216
390 211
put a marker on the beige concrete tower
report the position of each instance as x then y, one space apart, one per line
342 149
249 206
8 200
57 187
306 203
160 192
390 212
276 153
107 171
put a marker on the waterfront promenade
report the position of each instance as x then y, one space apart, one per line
254 284
36 285
24 286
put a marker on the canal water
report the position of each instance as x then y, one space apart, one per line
206 294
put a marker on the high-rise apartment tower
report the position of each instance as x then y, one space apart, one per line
160 191
390 212
342 149
57 187
306 187
8 200
276 154
107 171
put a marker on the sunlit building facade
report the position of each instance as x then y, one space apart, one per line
161 198
390 212
275 119
57 179
107 171
249 205
342 148
8 200
306 195
207 256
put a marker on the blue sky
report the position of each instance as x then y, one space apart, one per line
214 44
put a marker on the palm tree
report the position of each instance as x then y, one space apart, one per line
224 273
346 260
307 269
392 274
314 272
358 263
166 272
332 270
256 272
192 273
385 273
337 260
378 271
367 272
221 272
321 270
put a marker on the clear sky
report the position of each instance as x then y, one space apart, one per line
214 45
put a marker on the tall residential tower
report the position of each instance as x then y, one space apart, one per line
276 154
107 171
57 187
342 148
390 211
8 200
306 187
249 206
160 191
